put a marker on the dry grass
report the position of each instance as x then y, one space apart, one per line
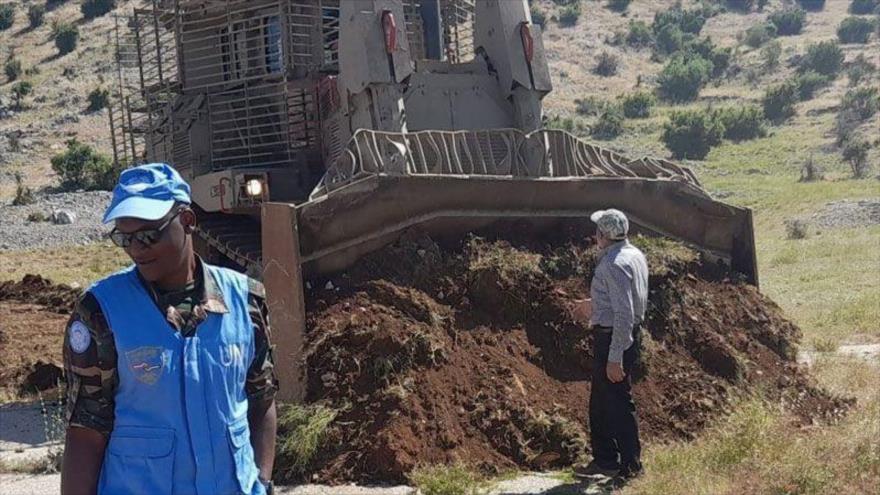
74 264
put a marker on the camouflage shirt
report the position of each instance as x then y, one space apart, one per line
91 374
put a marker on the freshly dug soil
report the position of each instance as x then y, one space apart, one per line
469 353
33 314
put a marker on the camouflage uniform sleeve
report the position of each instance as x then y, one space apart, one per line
261 380
90 366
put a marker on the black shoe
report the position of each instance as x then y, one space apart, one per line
593 469
629 473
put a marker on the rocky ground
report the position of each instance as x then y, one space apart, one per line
848 213
32 226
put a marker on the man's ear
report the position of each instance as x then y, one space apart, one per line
188 220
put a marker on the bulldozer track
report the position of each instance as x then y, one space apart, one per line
237 237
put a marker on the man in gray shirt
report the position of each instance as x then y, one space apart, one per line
619 293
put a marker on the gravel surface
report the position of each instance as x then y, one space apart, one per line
17 232
847 213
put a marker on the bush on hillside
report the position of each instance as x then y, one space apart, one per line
606 65
81 167
864 7
590 106
720 57
20 90
863 102
538 15
7 16
618 5
812 5
770 54
691 134
96 8
825 57
810 82
575 126
788 22
740 5
687 20
637 105
683 76
639 34
669 39
855 152
742 123
860 68
610 123
35 14
759 34
779 101
569 15
855 30
98 99
66 37
13 69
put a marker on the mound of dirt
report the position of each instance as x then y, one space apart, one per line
428 354
33 313
35 289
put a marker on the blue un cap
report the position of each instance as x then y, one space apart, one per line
147 192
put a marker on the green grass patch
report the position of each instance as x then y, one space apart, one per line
72 264
302 431
448 480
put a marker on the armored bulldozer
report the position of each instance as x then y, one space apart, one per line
316 131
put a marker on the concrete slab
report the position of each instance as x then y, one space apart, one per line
25 432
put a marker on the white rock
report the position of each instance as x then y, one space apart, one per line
63 217
328 285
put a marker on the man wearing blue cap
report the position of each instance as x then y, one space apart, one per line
171 387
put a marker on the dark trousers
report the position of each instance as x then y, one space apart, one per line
614 426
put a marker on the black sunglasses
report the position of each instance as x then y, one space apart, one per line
146 237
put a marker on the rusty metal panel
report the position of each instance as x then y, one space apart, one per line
282 277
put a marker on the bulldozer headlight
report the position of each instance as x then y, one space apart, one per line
254 187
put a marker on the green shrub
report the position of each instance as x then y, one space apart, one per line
35 15
302 430
742 123
859 69
618 5
864 6
810 82
759 34
813 5
855 152
20 90
7 16
691 134
688 21
66 37
669 39
538 15
863 102
96 8
637 105
720 57
683 76
569 15
13 69
610 123
855 30
639 34
779 101
81 167
788 22
24 195
98 99
740 5
573 125
825 57
607 64
770 54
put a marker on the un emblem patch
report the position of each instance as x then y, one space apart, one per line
146 363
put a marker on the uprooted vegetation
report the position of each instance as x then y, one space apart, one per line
467 353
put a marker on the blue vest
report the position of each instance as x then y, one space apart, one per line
181 409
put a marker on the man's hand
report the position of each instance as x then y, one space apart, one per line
615 372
